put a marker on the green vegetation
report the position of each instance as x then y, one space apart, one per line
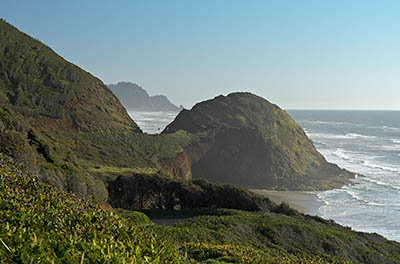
53 93
120 171
40 224
64 136
123 150
273 237
259 144
152 191
67 126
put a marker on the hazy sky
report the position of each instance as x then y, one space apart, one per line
297 54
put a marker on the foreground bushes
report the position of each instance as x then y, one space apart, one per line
40 224
139 192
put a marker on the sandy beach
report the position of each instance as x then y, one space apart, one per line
304 202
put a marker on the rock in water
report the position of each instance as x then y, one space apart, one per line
246 140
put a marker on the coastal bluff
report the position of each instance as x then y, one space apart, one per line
135 98
246 140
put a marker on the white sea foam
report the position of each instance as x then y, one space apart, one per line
319 143
392 148
327 136
389 128
370 146
153 122
384 184
340 153
356 196
354 135
323 196
337 136
335 123
380 166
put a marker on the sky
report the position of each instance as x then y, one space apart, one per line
342 54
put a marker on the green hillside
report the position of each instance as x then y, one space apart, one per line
66 125
68 150
41 224
247 140
53 93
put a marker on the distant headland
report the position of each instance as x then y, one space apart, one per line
135 98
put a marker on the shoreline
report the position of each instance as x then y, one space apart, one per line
302 201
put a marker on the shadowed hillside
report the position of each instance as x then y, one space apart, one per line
248 141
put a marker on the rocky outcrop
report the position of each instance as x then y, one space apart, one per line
254 143
135 98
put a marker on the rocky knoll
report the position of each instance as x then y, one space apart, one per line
246 140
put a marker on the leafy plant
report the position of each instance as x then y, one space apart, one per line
41 224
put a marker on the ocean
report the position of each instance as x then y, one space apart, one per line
368 143
364 142
153 122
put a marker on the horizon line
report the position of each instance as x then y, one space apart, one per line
316 109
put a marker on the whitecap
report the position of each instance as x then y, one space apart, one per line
390 128
389 185
388 147
337 136
354 135
379 166
327 136
358 198
340 153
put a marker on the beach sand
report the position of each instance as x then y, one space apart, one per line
304 202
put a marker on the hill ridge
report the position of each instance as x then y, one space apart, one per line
52 92
135 98
259 144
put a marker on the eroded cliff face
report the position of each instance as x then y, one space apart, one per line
181 165
248 141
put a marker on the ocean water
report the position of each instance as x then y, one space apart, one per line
365 142
153 122
368 143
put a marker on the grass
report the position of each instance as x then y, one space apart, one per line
41 224
247 237
119 171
